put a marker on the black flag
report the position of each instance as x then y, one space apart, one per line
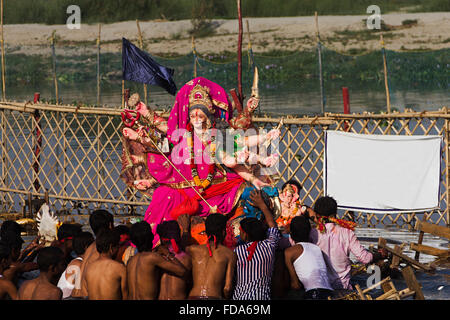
138 66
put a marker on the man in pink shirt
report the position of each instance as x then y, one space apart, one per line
336 239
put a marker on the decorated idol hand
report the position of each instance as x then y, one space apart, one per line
273 134
130 134
252 104
270 160
134 135
142 184
229 161
142 109
258 183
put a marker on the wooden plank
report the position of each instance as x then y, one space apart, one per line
421 234
411 282
387 294
382 244
360 292
428 250
395 258
434 229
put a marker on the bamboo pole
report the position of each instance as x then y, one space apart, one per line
141 46
319 52
98 64
3 55
239 53
123 94
447 167
250 50
194 52
386 85
55 79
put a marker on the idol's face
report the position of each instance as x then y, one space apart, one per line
198 119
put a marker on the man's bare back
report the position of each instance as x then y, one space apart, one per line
173 287
143 274
106 280
90 256
7 289
212 275
39 289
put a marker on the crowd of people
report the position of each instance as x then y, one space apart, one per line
310 261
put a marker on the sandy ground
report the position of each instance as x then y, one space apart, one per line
341 33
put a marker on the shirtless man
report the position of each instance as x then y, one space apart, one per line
99 220
7 287
51 264
173 287
106 279
144 269
213 264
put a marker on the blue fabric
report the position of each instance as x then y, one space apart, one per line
249 210
138 66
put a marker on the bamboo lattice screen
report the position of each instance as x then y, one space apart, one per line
75 157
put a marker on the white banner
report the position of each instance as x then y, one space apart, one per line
382 173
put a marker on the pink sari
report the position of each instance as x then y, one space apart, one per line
174 189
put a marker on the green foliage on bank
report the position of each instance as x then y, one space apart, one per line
108 11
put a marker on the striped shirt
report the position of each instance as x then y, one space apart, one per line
254 277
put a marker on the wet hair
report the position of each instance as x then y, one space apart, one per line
169 230
300 228
326 206
122 229
141 236
254 228
81 241
99 220
107 239
13 240
9 228
215 225
49 257
10 234
5 251
68 230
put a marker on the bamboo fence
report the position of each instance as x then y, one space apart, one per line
78 164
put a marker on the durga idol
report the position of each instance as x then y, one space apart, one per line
193 178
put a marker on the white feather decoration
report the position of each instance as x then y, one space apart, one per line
47 224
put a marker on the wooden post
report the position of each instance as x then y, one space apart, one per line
420 240
319 52
411 282
30 205
141 46
98 64
38 145
346 99
239 53
386 85
3 55
52 42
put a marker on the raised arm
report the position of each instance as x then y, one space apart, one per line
258 201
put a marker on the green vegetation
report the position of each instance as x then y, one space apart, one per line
277 69
108 11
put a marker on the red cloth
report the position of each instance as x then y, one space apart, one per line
191 205
251 249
